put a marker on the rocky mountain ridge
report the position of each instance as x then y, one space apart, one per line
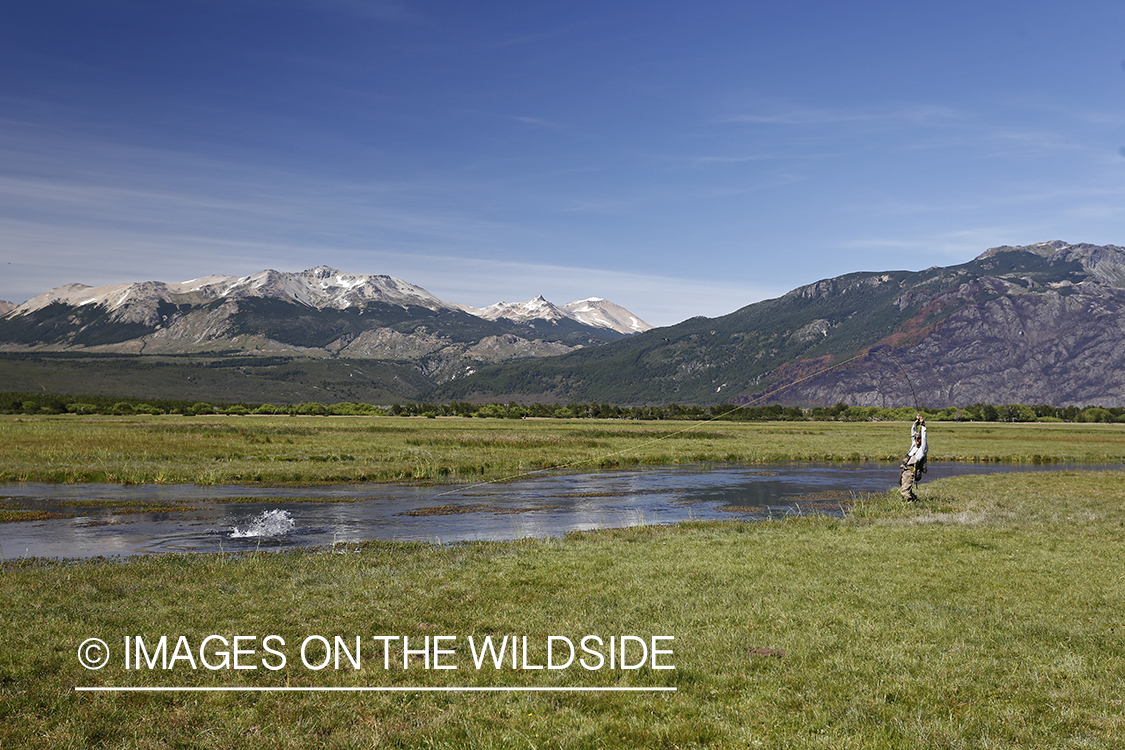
1041 323
318 312
320 287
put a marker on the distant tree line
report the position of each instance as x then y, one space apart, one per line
38 403
841 412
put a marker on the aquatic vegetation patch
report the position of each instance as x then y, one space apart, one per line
18 516
138 506
527 509
445 510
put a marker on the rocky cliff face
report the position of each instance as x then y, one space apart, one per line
1040 324
1054 347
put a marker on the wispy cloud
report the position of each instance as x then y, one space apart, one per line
540 122
1010 140
914 115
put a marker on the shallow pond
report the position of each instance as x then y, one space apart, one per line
88 520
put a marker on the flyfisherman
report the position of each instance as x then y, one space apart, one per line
914 465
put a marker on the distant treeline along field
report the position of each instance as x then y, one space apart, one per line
38 403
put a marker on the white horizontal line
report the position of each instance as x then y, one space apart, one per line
364 689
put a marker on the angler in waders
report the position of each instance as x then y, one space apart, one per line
914 465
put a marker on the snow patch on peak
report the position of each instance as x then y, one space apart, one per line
593 311
320 287
519 312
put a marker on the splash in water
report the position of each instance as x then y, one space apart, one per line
268 523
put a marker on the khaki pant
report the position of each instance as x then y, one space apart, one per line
907 479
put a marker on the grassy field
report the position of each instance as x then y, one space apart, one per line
986 616
313 450
989 615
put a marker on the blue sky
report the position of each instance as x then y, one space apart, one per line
677 158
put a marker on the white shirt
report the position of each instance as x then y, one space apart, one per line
917 452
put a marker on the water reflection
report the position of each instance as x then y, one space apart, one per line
92 520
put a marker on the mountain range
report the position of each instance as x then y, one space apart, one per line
1041 323
1035 324
321 312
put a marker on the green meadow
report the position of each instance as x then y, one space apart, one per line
320 450
987 615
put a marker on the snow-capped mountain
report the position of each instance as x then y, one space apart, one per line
320 287
321 312
519 312
595 312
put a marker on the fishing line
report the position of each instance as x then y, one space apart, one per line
667 436
905 375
